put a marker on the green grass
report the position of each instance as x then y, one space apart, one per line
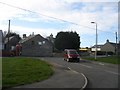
19 71
110 59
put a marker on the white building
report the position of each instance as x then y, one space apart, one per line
98 48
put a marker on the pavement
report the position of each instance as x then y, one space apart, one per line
63 77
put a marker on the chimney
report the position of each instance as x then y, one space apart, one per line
107 41
24 35
32 33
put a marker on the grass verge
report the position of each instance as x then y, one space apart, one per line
109 59
19 71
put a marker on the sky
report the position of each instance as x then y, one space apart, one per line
52 16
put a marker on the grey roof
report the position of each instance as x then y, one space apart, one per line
26 39
113 44
98 46
30 37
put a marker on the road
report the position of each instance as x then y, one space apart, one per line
99 75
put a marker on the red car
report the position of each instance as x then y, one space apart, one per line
71 55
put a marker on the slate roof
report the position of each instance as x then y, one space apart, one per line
26 39
98 46
113 44
30 37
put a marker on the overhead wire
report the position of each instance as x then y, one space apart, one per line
70 22
44 15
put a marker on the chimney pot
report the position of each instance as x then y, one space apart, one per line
24 35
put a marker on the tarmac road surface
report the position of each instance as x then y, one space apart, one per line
99 75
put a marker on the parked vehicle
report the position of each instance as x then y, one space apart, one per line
71 55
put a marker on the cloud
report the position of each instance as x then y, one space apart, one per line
104 13
26 30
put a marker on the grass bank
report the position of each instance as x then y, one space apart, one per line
19 71
109 59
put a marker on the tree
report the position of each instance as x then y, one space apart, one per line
13 34
11 39
67 40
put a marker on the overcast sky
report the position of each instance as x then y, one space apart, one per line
52 16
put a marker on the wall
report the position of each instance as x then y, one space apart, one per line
108 48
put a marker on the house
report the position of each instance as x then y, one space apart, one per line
10 43
1 36
99 51
52 40
109 47
1 42
36 45
98 48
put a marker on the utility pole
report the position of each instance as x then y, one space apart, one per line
116 43
8 36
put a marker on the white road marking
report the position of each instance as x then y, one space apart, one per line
86 66
73 70
86 81
101 64
112 72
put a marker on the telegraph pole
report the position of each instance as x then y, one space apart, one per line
8 36
116 43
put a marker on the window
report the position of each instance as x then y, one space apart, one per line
33 42
43 42
39 43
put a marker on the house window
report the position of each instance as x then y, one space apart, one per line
40 43
43 42
5 46
12 47
33 42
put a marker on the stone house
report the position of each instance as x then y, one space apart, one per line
52 40
36 45
1 40
110 47
11 43
107 48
